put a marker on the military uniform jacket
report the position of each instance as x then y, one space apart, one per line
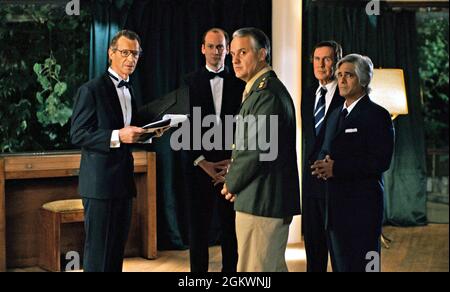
266 188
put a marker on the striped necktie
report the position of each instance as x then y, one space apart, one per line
319 112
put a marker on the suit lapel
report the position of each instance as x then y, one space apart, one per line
333 121
206 98
113 100
134 116
354 115
229 102
336 102
309 108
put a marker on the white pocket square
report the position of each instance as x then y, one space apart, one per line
351 130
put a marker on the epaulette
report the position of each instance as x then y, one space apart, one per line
263 84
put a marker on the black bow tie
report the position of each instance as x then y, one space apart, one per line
121 83
124 83
213 75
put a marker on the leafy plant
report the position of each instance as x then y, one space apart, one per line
34 109
51 108
434 75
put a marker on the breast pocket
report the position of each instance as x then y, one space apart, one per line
350 141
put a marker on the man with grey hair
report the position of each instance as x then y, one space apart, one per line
265 193
318 102
357 149
104 124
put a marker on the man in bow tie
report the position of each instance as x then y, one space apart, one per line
216 92
104 125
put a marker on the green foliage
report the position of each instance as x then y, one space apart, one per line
434 74
35 90
51 108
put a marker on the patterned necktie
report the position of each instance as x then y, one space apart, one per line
319 112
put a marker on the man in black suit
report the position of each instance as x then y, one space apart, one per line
357 149
216 92
103 125
317 103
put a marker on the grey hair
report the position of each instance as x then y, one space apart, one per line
259 40
363 69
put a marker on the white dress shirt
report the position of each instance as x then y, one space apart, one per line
217 93
125 103
331 89
217 90
352 106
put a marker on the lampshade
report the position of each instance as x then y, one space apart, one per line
389 91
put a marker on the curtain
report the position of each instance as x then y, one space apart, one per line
390 40
171 33
108 17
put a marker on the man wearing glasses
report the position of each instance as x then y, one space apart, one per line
103 122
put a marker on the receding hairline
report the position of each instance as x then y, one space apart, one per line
217 30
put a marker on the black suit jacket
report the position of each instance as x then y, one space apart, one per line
362 150
311 186
200 95
105 173
175 102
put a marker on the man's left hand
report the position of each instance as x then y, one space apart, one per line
230 197
160 132
223 167
323 169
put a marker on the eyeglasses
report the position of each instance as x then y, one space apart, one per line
126 53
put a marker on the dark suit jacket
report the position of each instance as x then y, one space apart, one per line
105 173
201 96
362 150
267 188
311 144
175 102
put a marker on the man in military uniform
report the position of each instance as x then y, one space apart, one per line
264 188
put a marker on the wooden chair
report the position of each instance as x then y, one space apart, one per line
52 216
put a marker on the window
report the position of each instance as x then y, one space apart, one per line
44 58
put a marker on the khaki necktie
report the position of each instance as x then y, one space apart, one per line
244 96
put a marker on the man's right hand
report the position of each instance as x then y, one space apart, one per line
130 135
216 170
209 168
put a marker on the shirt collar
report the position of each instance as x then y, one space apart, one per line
218 71
329 86
352 106
252 81
110 70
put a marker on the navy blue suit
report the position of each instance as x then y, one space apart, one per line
313 189
362 150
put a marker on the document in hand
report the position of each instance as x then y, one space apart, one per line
168 121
